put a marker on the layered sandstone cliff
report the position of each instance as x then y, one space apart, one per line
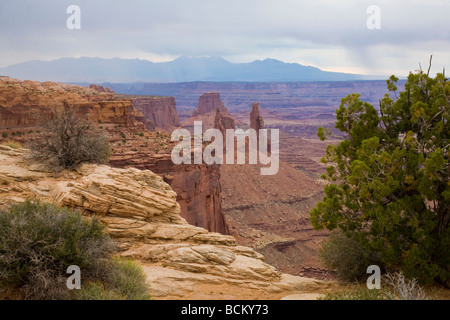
25 104
161 111
142 215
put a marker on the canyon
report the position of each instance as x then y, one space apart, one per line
181 261
270 215
25 104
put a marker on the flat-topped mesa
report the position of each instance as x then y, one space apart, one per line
209 102
161 111
256 120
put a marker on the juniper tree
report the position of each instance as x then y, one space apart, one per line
389 185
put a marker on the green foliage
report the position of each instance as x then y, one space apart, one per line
128 279
121 280
347 257
389 178
4 135
39 241
96 291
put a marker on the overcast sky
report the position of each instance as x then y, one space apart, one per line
329 34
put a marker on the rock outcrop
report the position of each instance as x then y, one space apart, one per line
256 120
24 104
161 111
142 215
100 88
223 121
209 102
198 187
212 112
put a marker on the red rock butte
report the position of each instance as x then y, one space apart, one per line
209 102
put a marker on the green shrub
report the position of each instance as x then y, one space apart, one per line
121 280
127 278
39 241
347 257
4 135
96 291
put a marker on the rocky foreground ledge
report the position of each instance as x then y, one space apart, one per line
181 261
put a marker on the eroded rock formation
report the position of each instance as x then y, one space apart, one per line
212 112
24 104
209 102
223 121
142 215
198 188
100 88
161 111
256 120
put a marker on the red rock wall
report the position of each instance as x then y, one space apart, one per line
25 104
256 120
161 111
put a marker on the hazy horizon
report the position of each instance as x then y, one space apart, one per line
332 35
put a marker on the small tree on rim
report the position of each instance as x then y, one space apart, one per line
67 140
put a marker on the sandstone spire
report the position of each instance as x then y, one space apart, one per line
256 120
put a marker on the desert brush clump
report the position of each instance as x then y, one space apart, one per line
395 287
67 140
39 241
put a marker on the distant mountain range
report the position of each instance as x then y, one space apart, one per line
183 69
